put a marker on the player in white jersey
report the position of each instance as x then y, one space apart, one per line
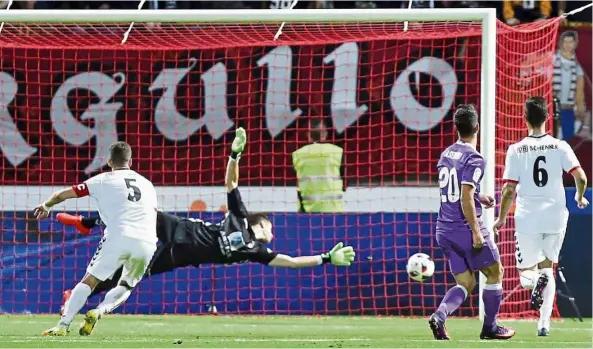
127 203
534 169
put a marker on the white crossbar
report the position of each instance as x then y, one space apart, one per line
244 16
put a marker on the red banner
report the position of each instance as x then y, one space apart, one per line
387 102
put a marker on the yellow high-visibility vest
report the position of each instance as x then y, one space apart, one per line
317 167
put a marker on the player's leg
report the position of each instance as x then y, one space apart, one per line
457 294
82 224
528 254
134 267
99 288
76 301
551 245
492 294
102 266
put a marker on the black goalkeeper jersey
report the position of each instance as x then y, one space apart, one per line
194 242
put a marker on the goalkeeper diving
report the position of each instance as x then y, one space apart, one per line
240 237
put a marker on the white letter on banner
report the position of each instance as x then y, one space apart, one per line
406 108
278 112
343 102
177 127
103 113
14 147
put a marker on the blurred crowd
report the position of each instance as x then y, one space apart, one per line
510 11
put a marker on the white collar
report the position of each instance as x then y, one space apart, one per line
466 144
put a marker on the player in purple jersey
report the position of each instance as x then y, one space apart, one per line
460 232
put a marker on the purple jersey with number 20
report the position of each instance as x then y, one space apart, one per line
461 164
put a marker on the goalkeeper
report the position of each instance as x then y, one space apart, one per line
240 237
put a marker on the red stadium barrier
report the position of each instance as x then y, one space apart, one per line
175 93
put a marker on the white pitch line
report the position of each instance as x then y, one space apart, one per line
482 341
309 340
41 339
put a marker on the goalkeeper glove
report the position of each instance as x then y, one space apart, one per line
239 142
339 255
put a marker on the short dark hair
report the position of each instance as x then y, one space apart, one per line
466 120
120 153
569 34
536 111
317 127
256 218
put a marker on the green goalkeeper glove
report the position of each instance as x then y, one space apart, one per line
240 141
340 255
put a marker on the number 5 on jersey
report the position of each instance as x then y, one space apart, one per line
135 195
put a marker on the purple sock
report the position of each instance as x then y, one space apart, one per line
452 300
492 297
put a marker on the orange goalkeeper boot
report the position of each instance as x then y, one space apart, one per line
75 220
65 299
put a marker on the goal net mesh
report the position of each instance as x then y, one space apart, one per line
175 93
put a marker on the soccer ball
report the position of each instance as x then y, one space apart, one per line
420 267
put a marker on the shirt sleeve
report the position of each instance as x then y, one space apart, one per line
235 204
473 171
90 187
261 254
569 159
580 71
511 168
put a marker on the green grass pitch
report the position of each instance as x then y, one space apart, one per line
139 331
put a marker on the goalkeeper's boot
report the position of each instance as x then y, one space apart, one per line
59 330
543 326
65 298
499 332
439 330
90 320
537 295
74 220
543 332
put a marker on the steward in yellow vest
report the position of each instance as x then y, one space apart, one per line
319 169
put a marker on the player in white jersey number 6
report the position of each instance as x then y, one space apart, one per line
127 203
534 168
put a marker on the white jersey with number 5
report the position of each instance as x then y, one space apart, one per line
127 203
537 164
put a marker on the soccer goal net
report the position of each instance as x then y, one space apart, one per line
180 84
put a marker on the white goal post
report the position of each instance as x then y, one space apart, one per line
487 16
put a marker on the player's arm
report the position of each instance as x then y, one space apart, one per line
231 180
469 212
506 201
511 179
340 255
42 211
571 164
470 178
580 181
89 187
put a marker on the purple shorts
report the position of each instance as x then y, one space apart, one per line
462 256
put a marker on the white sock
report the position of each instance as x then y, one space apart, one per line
113 299
545 312
528 279
77 300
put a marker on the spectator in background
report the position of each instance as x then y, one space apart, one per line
516 12
286 4
320 170
569 84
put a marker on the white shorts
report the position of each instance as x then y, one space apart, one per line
531 249
113 253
